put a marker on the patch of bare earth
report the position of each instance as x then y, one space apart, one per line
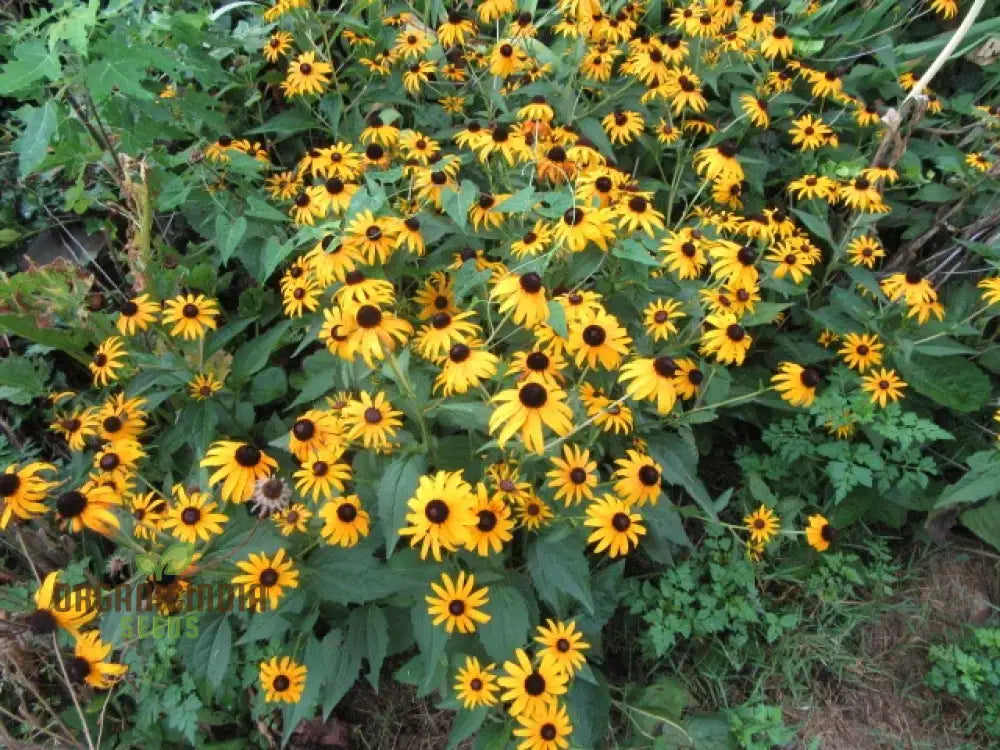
881 702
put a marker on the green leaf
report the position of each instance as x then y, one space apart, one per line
589 706
264 626
30 61
356 576
228 233
377 639
275 252
70 342
116 72
632 251
431 640
508 626
32 145
465 725
982 480
522 200
936 193
287 123
457 204
468 279
22 379
218 655
677 459
268 385
254 354
395 489
764 313
557 319
818 226
560 566
950 381
984 521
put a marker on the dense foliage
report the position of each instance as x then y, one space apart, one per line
459 341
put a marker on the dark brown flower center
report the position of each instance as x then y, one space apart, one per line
190 516
534 684
810 377
531 282
281 683
100 359
71 504
346 512
373 415
9 484
305 68
268 577
304 429
621 522
247 456
573 216
456 607
369 316
533 395
594 335
548 732
436 511
649 475
487 521
577 475
735 332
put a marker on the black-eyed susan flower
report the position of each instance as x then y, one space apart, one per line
819 533
107 360
282 680
637 479
538 366
22 491
763 524
547 729
475 684
89 507
861 351
121 418
314 432
441 513
306 75
190 315
813 186
71 612
910 286
374 332
796 384
726 339
90 662
991 290
443 330
863 195
684 253
651 379
321 474
580 226
269 576
947 9
76 426
532 512
203 386
526 409
457 604
865 251
238 466
136 315
345 521
658 318
277 45
622 126
610 416
523 297
809 132
563 644
117 461
574 476
531 687
192 516
978 162
598 339
466 366
147 511
884 386
777 44
493 529
719 162
637 212
617 527
359 289
373 421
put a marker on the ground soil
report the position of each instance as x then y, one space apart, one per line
884 703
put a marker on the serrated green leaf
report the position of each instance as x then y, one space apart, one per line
33 143
395 488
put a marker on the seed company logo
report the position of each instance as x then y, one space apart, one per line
153 607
